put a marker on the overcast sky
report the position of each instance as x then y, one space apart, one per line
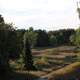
41 14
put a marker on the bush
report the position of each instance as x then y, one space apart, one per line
77 49
17 64
70 58
39 63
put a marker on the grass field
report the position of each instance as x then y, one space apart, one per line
54 58
52 61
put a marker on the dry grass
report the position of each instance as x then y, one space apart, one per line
67 73
52 61
57 57
40 62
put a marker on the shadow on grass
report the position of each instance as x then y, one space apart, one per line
70 72
18 76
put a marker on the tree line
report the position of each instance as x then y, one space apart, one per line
42 38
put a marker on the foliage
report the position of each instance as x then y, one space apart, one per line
44 58
17 64
41 62
52 40
1 19
42 38
20 34
8 44
75 39
72 58
28 56
62 36
32 36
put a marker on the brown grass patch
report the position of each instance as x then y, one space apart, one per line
67 73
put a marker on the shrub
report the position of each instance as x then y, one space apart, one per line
39 63
70 58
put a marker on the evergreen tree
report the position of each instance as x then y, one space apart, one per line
1 19
28 56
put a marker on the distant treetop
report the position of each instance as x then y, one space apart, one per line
78 8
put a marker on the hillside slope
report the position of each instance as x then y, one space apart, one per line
70 72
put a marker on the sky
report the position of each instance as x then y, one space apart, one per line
40 14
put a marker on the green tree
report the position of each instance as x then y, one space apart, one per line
75 39
8 44
62 36
52 40
72 39
42 38
3 47
1 19
20 35
32 36
28 56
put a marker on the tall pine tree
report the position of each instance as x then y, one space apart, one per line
28 56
